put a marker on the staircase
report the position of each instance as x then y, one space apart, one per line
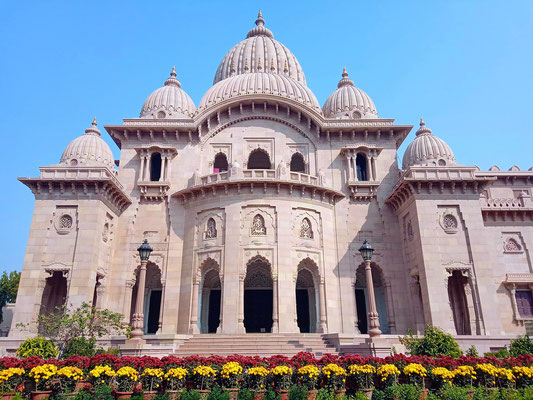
255 344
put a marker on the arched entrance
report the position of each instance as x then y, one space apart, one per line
306 301
258 296
210 302
152 298
459 303
54 293
259 159
361 299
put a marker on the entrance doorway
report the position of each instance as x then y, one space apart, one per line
154 305
258 298
211 295
459 303
306 304
152 298
302 310
361 299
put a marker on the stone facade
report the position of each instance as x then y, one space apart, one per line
256 204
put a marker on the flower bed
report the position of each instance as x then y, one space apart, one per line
353 373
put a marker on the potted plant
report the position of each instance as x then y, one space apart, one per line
67 380
203 376
281 377
388 374
308 377
11 380
231 375
174 381
125 380
335 379
151 379
255 380
441 377
363 375
101 375
43 376
416 374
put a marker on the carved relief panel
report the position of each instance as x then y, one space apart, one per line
265 145
306 227
210 228
258 224
515 255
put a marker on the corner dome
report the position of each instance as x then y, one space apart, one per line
427 150
169 101
259 52
349 102
256 84
89 150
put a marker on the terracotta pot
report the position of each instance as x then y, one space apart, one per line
173 394
233 393
283 394
339 394
123 395
149 394
259 395
7 396
423 394
82 385
470 393
311 394
368 392
41 394
204 393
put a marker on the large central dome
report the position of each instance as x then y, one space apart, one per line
259 52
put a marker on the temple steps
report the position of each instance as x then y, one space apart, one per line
260 344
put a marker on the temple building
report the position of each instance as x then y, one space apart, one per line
256 204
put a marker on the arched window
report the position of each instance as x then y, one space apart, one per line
155 167
211 231
297 163
258 226
259 159
360 164
221 163
306 231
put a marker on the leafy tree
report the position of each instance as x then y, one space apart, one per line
9 286
434 342
521 345
85 322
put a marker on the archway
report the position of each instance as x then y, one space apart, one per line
258 296
459 303
297 163
259 159
361 299
54 294
306 301
155 167
210 303
221 163
152 298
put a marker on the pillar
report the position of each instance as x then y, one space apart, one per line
194 306
141 171
373 316
138 316
275 316
322 306
240 318
163 164
390 306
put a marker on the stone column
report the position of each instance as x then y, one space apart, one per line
141 171
138 316
418 310
350 168
373 317
275 316
219 329
322 327
163 164
161 307
390 306
194 306
240 318
146 167
373 164
512 289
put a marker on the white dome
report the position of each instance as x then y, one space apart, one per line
349 102
259 83
260 52
169 101
427 150
88 150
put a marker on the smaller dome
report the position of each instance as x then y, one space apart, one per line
427 150
259 83
169 101
89 150
349 102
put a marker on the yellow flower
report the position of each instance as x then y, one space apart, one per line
258 371
281 370
204 370
415 369
384 371
361 369
176 373
310 371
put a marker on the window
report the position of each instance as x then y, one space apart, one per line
259 159
306 231
155 167
360 164
524 303
220 164
211 231
297 163
258 226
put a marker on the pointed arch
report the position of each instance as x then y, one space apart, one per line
298 163
220 163
259 159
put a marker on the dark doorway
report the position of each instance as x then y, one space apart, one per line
220 164
458 302
360 302
153 312
213 318
360 163
297 163
258 310
259 159
302 310
155 167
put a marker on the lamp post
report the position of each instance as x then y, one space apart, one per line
373 318
138 317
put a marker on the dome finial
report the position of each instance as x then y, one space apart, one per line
173 73
94 122
422 123
423 129
172 80
344 73
93 130
260 21
345 81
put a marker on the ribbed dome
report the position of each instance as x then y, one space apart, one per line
427 150
259 83
169 101
88 150
260 52
349 102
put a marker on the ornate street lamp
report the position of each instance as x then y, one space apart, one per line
366 251
138 317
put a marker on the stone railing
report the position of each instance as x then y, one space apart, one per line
79 173
521 203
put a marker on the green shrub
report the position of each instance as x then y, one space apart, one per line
270 395
358 396
37 346
502 353
528 393
454 393
80 346
484 394
472 351
245 394
218 394
190 395
102 392
510 394
434 342
521 345
297 392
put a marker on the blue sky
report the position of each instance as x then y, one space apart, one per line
465 66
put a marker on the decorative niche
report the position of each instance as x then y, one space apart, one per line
360 171
65 219
155 169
